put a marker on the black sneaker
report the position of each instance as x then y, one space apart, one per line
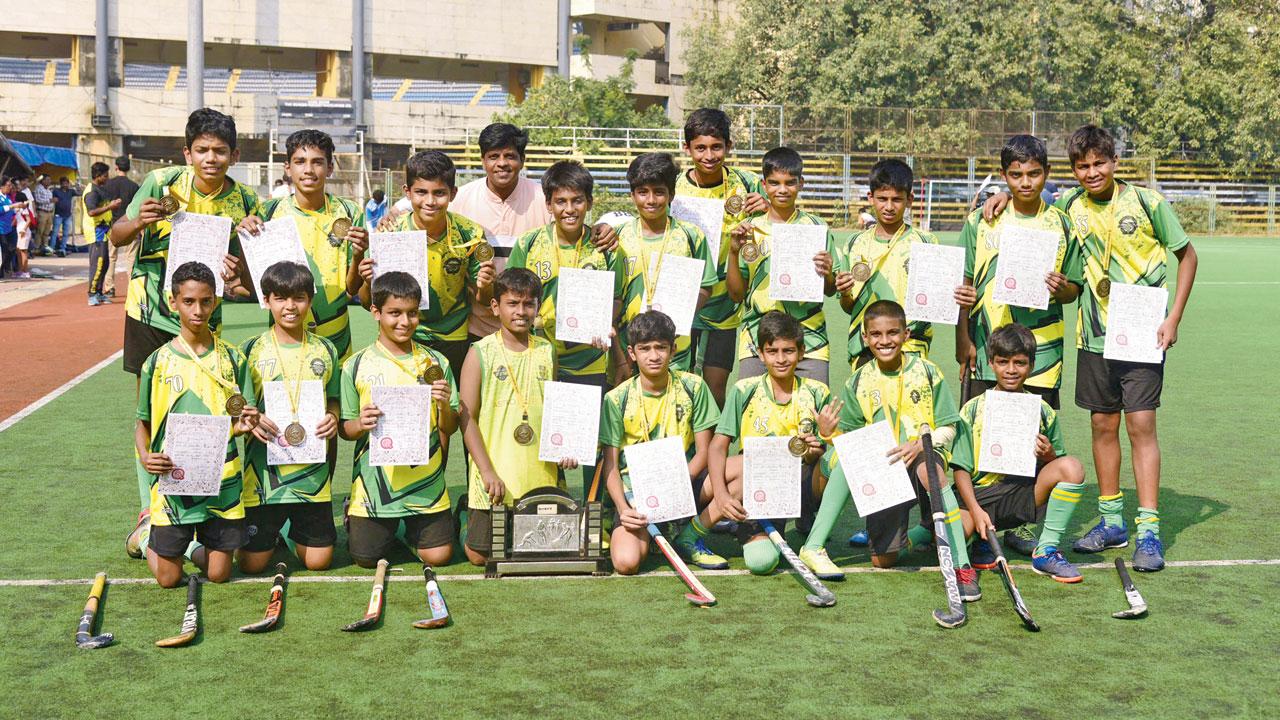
1021 539
967 578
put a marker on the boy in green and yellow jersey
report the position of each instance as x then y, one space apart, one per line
332 231
199 186
654 234
198 374
1125 234
408 502
296 494
502 389
458 276
95 221
779 403
748 271
657 403
707 141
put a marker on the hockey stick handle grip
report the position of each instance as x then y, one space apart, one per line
380 576
99 584
993 541
1125 580
193 587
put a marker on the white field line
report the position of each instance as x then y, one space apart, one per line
1238 282
415 577
53 394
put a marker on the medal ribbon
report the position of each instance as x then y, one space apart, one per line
515 383
555 246
196 201
650 285
216 373
1111 231
418 372
662 405
857 286
294 391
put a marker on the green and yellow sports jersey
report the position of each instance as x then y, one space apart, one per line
682 239
501 412
452 268
758 302
541 252
981 241
750 409
394 491
1143 230
172 382
146 302
721 312
329 264
968 442
888 259
916 393
276 484
631 415
88 223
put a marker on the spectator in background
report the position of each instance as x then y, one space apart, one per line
64 197
44 216
1049 195
25 227
121 188
283 188
375 209
9 207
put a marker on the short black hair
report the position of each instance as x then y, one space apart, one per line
192 271
777 325
1011 340
308 138
650 326
1024 148
98 169
653 168
782 159
123 164
884 308
395 284
503 135
379 194
430 165
1090 138
286 279
207 121
568 174
520 282
707 121
891 173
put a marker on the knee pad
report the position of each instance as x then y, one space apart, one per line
760 556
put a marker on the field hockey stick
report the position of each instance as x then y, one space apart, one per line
966 374
821 596
1137 605
274 604
954 616
1006 576
435 602
84 640
700 596
190 619
374 612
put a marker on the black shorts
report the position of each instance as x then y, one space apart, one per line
455 351
140 340
975 387
215 533
371 539
310 524
1010 502
887 529
1109 386
480 530
715 348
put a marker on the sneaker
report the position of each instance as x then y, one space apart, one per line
133 543
860 539
23 275
1053 564
61 253
1022 540
981 555
1149 555
967 578
94 301
698 554
820 563
1102 537
103 299
725 527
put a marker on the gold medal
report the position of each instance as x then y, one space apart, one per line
169 205
861 271
734 204
797 446
235 405
1104 287
749 252
524 433
484 252
338 231
433 374
295 434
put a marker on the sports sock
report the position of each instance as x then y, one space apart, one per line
144 482
692 532
1111 507
918 535
192 548
760 556
834 498
1062 502
1148 519
954 528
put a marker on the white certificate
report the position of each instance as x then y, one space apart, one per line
205 239
707 214
874 482
660 485
1010 424
406 251
279 241
770 478
311 409
1026 257
791 272
584 305
934 273
197 446
675 291
1134 314
570 422
403 433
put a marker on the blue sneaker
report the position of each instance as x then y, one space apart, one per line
1052 563
860 538
1102 537
981 556
1149 556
